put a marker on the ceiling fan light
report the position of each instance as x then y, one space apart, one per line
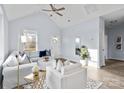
54 10
69 20
51 15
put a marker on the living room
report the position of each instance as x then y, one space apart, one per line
59 34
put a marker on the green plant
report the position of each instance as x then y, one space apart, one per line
84 53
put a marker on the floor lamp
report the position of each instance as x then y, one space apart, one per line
23 40
27 42
17 72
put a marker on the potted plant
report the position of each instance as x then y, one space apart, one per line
84 55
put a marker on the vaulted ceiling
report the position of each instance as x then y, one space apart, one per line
73 13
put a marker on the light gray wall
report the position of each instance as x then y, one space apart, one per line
88 32
112 34
3 35
40 23
101 39
106 43
5 22
3 39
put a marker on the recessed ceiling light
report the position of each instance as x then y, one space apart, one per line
69 20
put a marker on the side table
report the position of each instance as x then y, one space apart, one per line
36 84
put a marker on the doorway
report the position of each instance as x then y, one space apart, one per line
114 37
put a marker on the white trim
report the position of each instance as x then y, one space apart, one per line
117 59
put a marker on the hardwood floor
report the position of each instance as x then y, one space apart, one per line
112 74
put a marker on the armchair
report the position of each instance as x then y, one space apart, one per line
70 77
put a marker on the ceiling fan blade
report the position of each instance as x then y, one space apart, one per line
60 9
46 10
58 13
52 7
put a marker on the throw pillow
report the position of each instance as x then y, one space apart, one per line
59 65
10 61
48 52
70 68
42 53
23 59
66 63
54 64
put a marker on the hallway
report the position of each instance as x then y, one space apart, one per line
112 74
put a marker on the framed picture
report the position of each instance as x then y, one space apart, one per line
119 39
118 42
29 40
119 46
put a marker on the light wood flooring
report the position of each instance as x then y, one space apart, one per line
112 74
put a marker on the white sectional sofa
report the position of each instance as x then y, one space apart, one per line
10 69
10 75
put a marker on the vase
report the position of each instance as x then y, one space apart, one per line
84 62
35 71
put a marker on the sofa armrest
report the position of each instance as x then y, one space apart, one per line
53 78
78 79
10 75
55 72
60 76
24 67
1 68
74 73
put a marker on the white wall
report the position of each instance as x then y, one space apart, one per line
1 39
112 35
45 28
88 32
5 22
3 34
101 42
106 46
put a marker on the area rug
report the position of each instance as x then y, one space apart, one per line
91 84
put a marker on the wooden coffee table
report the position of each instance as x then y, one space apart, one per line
36 84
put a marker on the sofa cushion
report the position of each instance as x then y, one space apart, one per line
59 65
23 59
54 64
10 61
68 69
42 53
66 63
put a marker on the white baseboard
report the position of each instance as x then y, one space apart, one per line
117 59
